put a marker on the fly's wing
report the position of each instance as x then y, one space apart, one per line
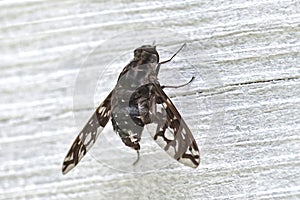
170 130
87 137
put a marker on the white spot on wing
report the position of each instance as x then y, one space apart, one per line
101 110
161 142
187 162
169 135
88 138
69 167
171 151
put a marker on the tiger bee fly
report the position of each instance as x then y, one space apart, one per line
138 100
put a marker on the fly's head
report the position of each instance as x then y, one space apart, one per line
146 54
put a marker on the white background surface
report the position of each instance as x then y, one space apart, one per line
243 108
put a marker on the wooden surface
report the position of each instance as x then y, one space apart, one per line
59 59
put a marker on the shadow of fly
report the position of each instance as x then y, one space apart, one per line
138 100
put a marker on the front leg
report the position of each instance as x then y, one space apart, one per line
178 86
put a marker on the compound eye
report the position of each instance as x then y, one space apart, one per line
137 53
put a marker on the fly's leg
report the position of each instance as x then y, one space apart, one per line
138 158
163 62
177 86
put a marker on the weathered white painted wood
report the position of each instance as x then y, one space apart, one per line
243 108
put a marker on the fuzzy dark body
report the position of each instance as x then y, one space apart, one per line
130 102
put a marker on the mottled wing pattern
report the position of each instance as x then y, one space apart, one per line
87 137
170 130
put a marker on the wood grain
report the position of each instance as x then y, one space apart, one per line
61 58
